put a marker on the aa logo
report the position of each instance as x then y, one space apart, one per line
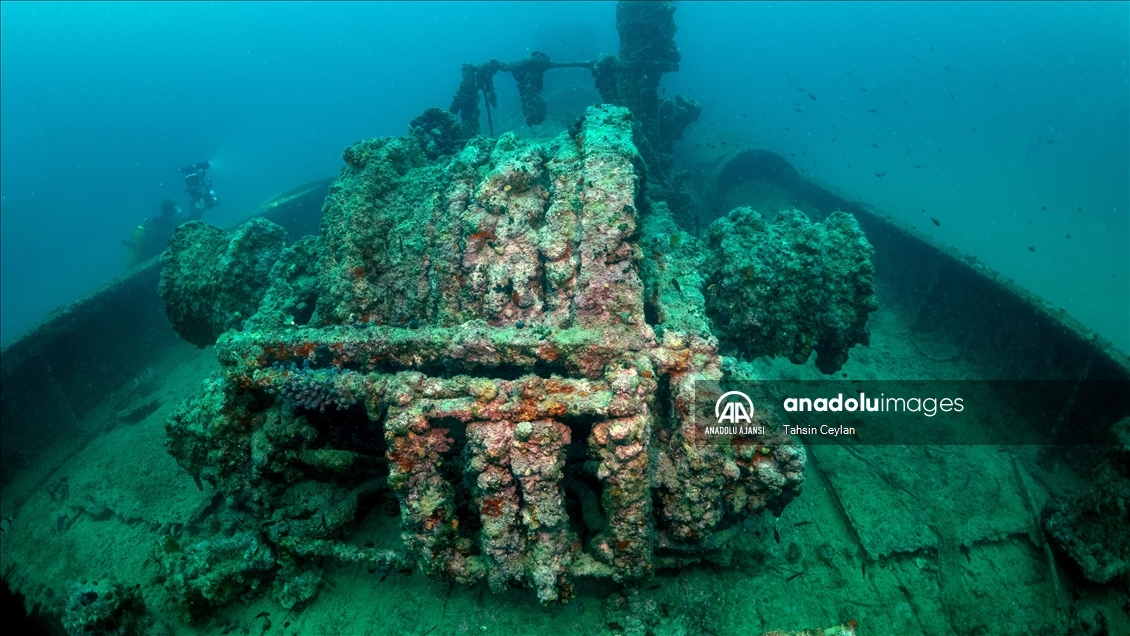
734 411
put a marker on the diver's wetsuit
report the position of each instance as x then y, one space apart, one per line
149 238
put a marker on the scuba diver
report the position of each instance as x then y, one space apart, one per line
199 188
149 238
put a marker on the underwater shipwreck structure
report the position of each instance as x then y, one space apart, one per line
486 332
504 328
504 341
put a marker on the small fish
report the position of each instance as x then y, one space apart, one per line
798 110
863 89
788 129
874 111
880 174
802 90
61 523
946 67
261 615
801 523
1043 207
698 145
917 166
931 48
936 222
812 97
744 115
1050 141
5 526
1031 249
675 284
923 210
952 97
1067 235
1079 208
776 534
973 127
722 142
874 145
794 576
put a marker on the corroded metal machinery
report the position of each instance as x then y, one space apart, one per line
507 326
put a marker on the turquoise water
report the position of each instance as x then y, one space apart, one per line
999 131
103 102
